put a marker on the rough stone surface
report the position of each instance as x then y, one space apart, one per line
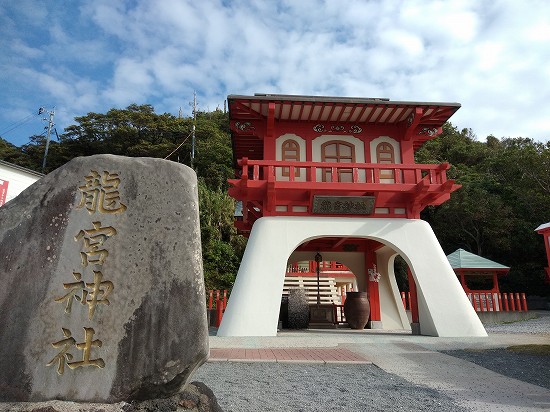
102 296
298 309
197 397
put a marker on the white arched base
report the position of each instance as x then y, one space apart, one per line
253 307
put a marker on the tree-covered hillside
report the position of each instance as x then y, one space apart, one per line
139 131
505 190
505 195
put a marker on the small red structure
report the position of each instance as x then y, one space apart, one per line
479 279
545 231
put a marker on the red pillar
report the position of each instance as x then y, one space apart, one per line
372 288
463 281
512 303
524 302
505 299
219 312
483 302
374 300
413 302
518 302
495 283
476 302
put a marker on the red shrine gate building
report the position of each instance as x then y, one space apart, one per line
337 177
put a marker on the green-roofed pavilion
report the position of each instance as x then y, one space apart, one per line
469 266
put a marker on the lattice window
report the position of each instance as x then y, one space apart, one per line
385 154
290 153
336 151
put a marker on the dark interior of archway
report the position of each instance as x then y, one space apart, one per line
339 244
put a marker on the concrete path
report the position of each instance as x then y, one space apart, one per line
468 384
414 358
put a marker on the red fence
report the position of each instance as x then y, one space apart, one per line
358 172
487 301
217 300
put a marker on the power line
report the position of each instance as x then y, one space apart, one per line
181 144
16 124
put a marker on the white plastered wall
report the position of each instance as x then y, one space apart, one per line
253 308
18 180
385 139
392 312
396 152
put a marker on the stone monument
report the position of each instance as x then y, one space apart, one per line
102 292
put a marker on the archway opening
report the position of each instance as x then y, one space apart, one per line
347 265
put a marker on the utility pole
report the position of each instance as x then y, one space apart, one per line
50 125
194 126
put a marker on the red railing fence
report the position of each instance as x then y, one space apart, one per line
487 301
217 300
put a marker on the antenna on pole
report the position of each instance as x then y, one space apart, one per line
50 125
194 126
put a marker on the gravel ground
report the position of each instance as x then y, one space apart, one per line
526 367
313 387
540 324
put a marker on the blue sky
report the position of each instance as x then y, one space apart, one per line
493 57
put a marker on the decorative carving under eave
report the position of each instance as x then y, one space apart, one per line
321 128
244 126
410 119
429 131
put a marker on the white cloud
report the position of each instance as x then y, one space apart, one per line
131 83
490 56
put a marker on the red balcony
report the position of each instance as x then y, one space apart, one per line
271 188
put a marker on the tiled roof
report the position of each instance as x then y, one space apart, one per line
461 259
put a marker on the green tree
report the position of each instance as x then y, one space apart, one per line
13 154
221 245
134 131
213 153
504 196
139 131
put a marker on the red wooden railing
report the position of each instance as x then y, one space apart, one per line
359 172
219 303
328 266
487 301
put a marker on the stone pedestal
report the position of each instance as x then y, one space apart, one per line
375 324
321 316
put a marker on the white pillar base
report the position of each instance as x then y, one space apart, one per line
253 308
